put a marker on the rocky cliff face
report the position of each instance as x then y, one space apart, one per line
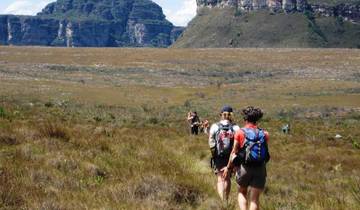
349 12
248 5
91 23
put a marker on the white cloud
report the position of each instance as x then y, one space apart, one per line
182 16
26 7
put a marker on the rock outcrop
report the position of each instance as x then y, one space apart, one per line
91 23
349 12
249 5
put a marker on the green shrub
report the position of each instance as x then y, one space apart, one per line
356 144
237 13
49 104
313 26
153 120
97 119
187 104
2 112
99 180
356 192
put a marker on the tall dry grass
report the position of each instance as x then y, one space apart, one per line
106 143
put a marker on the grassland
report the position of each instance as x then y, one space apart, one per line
104 128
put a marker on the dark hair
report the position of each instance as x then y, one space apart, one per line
252 114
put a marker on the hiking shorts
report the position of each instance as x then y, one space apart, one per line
194 130
220 163
251 176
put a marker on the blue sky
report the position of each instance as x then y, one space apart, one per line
179 12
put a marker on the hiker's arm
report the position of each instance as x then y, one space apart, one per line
234 151
229 166
212 139
238 139
267 136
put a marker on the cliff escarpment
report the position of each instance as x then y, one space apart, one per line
91 23
349 10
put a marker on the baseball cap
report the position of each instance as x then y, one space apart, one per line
226 109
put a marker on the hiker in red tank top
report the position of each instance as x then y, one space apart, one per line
240 135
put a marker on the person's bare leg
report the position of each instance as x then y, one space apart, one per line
254 198
242 198
227 187
220 185
223 186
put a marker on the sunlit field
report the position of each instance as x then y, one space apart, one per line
88 128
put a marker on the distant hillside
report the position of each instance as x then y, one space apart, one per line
333 2
91 23
278 24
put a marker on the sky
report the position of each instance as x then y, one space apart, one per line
179 12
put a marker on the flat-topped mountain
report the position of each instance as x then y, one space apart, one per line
91 23
274 23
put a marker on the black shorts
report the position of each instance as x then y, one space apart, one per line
251 176
195 130
220 163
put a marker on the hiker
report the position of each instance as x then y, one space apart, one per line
205 126
194 122
250 155
286 129
221 140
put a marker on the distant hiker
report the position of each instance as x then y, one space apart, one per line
205 126
286 129
221 140
249 155
194 122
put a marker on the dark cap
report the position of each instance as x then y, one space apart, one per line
227 109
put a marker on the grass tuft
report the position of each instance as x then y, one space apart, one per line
9 190
54 130
8 139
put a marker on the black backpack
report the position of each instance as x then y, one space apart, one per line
224 140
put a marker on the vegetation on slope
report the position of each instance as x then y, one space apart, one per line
229 28
333 2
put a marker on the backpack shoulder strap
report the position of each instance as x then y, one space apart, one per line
231 126
247 130
220 126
